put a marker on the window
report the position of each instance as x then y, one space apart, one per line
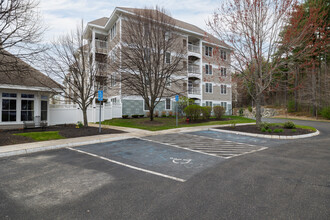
208 69
208 51
184 42
29 96
167 57
8 109
208 88
224 104
223 55
113 32
223 89
114 100
27 112
9 95
208 103
168 82
167 35
43 110
223 71
168 104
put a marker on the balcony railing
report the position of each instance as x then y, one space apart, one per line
101 46
102 68
195 69
193 48
194 90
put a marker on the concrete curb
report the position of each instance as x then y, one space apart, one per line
268 136
32 149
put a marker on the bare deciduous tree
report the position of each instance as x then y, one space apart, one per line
252 28
21 30
151 54
68 61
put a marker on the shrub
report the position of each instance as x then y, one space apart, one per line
269 130
79 124
264 125
289 125
206 111
124 116
250 109
278 130
170 113
241 112
163 114
193 112
135 116
141 116
263 129
325 112
219 111
294 130
156 113
291 106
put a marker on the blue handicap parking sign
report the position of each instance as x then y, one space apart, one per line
100 95
177 98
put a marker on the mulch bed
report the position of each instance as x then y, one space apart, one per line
255 130
68 131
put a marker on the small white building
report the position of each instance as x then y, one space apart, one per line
24 93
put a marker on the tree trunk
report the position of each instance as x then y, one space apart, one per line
258 110
151 114
84 110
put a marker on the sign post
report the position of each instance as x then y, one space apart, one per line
100 98
177 100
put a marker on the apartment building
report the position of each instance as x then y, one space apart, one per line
206 77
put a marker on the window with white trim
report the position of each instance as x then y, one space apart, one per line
167 57
208 103
168 104
223 71
223 89
27 107
113 31
208 88
9 107
208 69
224 105
223 55
208 51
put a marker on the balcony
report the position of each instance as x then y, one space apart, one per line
102 68
193 48
194 69
101 46
194 90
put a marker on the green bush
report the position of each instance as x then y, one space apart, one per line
278 130
263 129
289 125
124 116
206 111
241 112
270 130
291 106
219 111
294 130
264 125
135 116
250 109
325 112
80 124
193 112
141 116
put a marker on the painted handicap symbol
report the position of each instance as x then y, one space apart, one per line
180 161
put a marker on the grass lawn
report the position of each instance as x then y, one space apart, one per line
42 136
168 123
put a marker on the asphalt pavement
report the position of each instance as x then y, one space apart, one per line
129 179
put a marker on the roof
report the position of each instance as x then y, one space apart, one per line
14 71
181 24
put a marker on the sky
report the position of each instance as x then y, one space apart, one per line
62 16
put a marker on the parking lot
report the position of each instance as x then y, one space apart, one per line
137 177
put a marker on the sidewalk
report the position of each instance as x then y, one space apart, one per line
19 149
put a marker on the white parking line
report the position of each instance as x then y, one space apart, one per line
129 166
